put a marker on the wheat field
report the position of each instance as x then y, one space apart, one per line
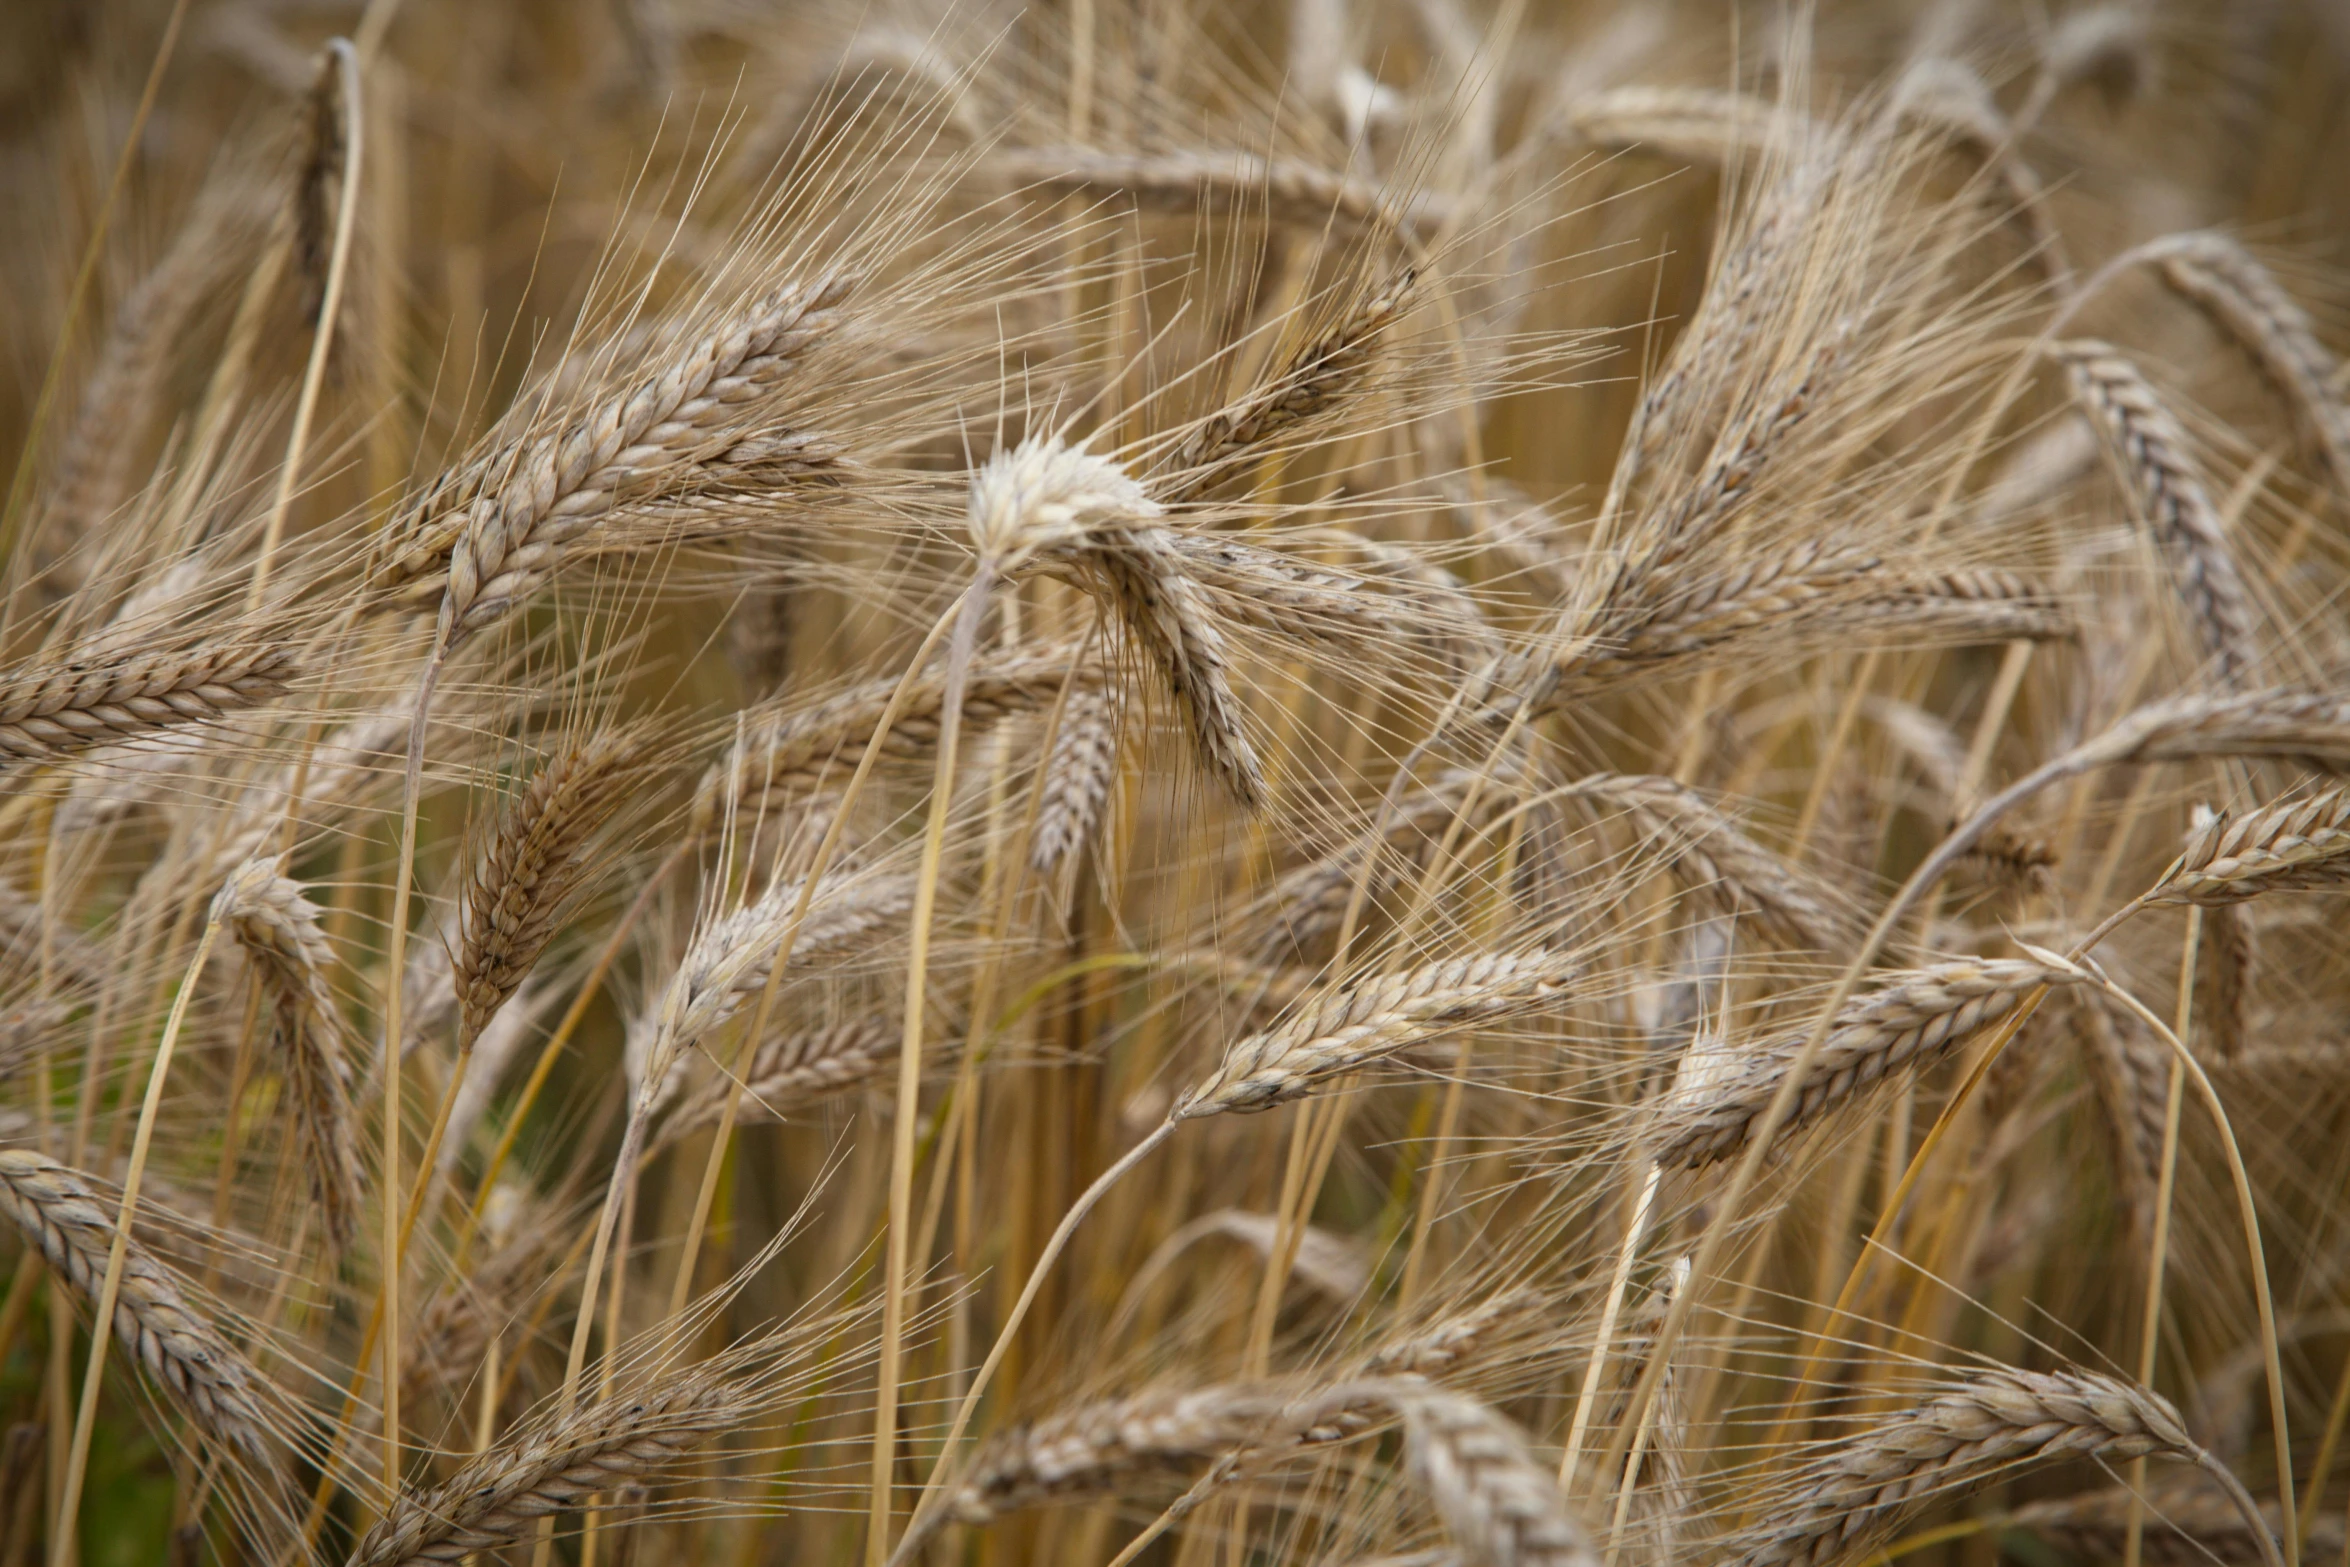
1448 783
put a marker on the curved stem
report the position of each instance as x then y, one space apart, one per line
77 1466
2274 1365
2158 1246
1019 1313
901 1154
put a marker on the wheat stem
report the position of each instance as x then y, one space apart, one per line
61 1547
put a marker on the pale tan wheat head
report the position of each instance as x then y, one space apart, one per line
2149 449
1910 1020
1974 1429
2291 846
49 711
1366 1022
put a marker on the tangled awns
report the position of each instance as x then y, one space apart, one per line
1442 783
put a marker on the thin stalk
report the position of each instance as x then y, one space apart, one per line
2256 1254
61 1545
901 1155
1019 1313
2158 1246
1596 1365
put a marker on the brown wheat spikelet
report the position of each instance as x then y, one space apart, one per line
1501 1508
61 1217
277 925
529 868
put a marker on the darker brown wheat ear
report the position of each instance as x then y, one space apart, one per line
532 866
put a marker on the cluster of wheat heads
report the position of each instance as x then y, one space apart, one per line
1440 782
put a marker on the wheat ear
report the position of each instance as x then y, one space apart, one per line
1800 908
495 529
1312 382
1369 1021
2227 281
795 1069
1077 778
805 747
2291 846
530 867
1912 1020
557 1465
1968 1432
2149 449
54 710
59 1215
277 925
1043 501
